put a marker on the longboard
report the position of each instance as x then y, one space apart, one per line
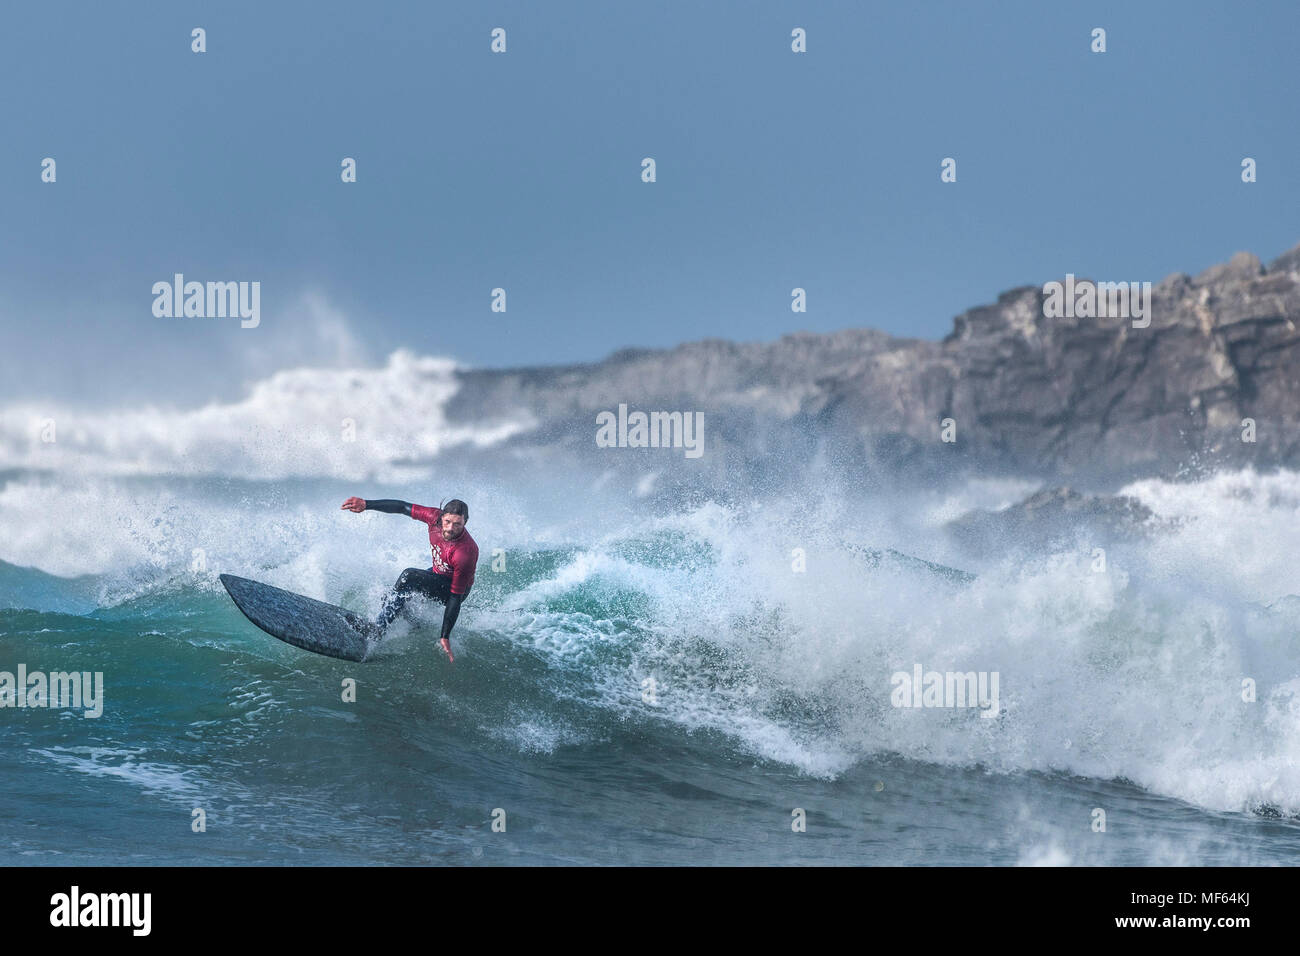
301 621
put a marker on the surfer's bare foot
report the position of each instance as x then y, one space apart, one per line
446 646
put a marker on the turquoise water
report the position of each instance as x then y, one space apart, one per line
206 713
770 695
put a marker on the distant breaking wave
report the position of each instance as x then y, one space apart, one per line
292 424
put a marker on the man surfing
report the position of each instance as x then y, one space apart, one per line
455 556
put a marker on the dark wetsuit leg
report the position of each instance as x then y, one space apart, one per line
437 587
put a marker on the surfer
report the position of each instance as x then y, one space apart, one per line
455 556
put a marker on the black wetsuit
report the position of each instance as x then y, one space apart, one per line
416 581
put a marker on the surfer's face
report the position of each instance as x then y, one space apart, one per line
452 526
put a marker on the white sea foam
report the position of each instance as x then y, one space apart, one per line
1134 673
292 424
125 765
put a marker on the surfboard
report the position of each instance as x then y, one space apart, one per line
301 621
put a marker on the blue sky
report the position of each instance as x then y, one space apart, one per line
522 170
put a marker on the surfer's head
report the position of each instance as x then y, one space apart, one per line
454 515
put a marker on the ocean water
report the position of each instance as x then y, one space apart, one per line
636 683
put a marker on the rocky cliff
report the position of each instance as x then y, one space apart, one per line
1078 398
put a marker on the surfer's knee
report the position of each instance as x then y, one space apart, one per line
405 582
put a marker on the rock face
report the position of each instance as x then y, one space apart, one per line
1050 516
1084 399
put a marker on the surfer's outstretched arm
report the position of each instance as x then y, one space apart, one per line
387 505
449 616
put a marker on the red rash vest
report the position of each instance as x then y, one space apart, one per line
458 558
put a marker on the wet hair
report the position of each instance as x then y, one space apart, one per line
456 507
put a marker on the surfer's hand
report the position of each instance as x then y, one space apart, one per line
354 504
446 646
